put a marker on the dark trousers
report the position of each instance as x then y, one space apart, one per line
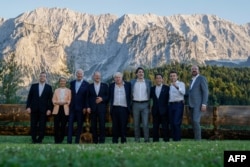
176 114
163 121
119 123
60 121
78 115
37 125
98 118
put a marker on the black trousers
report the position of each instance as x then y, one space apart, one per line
37 125
60 122
119 123
98 118
163 121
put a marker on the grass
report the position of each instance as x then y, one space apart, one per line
17 151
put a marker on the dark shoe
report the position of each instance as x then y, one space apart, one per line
39 142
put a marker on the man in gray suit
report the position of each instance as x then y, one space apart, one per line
140 91
198 97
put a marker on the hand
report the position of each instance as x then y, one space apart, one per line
98 100
88 110
28 110
203 108
84 110
175 85
48 113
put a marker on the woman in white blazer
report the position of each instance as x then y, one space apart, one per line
61 100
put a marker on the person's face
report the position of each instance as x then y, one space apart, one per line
194 70
118 80
42 78
158 80
79 75
97 77
140 74
173 77
62 82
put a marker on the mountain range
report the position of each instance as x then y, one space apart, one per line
59 40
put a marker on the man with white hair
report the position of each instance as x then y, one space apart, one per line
78 104
120 95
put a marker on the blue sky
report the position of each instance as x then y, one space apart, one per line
236 11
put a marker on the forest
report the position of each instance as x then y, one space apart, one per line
227 85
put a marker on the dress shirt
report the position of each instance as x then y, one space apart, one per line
193 80
78 84
97 87
41 87
140 91
177 94
120 96
158 90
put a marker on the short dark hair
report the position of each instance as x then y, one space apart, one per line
158 74
173 72
139 68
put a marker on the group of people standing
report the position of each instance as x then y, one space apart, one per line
68 105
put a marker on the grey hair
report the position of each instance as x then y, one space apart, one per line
118 74
79 70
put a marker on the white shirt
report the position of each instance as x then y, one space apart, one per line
193 81
78 84
177 94
140 91
158 90
41 87
120 96
62 94
97 87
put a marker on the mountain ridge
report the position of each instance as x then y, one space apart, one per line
55 39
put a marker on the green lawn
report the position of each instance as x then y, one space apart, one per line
18 151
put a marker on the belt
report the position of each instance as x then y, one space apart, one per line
175 102
145 101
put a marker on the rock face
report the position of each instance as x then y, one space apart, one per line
60 40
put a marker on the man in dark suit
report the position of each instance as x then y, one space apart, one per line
97 100
120 95
160 95
198 97
39 105
78 105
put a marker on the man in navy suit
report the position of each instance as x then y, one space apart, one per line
198 97
78 105
97 100
160 95
120 95
39 105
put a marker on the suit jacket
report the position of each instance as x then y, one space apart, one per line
198 94
127 87
160 103
56 98
40 103
103 93
79 99
148 85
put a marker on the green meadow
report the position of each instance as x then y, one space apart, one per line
17 151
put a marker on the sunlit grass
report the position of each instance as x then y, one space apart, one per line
18 151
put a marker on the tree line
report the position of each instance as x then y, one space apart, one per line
227 86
